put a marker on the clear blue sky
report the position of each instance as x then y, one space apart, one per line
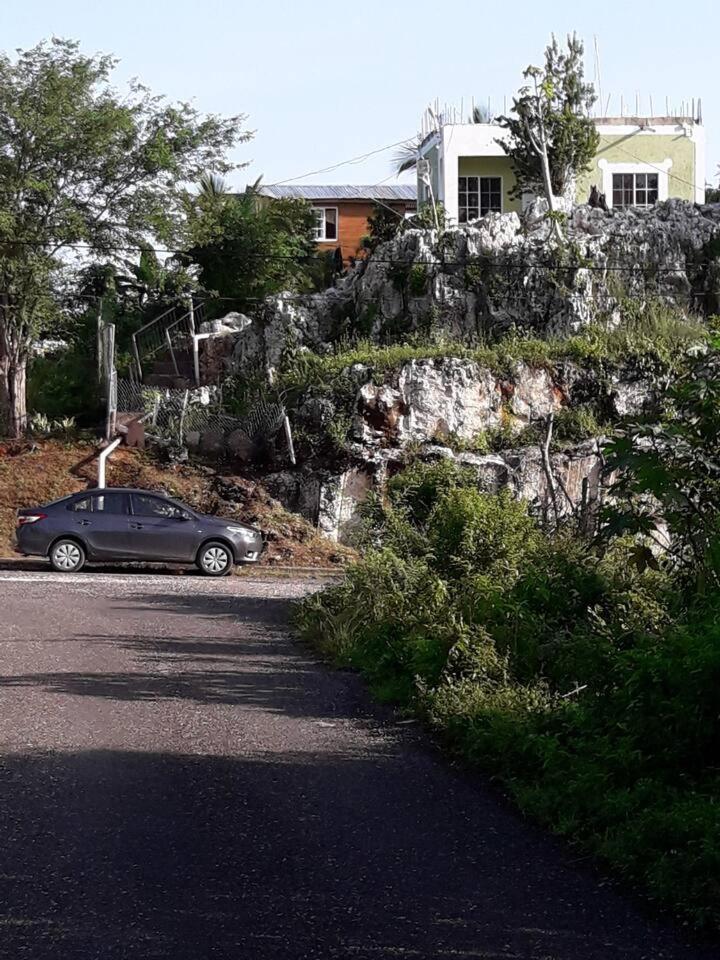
325 81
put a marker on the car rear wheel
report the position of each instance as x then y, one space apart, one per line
67 556
215 559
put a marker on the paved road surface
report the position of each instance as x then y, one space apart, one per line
179 780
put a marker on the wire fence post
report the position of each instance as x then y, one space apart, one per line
183 411
288 437
112 398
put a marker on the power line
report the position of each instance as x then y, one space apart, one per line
341 163
307 258
672 176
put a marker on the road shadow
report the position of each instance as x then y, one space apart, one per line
216 648
131 855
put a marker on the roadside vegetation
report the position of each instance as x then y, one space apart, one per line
583 671
652 334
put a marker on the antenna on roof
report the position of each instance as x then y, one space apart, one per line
597 70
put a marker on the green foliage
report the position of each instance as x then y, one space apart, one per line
42 426
588 684
418 280
383 224
669 474
558 104
417 489
247 247
64 384
472 533
429 217
655 337
82 164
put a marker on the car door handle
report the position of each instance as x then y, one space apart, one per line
136 526
84 523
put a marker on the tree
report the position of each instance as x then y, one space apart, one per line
384 224
668 475
248 247
551 137
83 171
406 156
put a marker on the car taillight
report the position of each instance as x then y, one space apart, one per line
30 518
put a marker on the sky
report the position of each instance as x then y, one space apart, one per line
324 82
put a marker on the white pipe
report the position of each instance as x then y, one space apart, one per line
104 454
288 437
196 358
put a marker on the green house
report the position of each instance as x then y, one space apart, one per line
639 161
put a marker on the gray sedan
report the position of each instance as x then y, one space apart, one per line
118 524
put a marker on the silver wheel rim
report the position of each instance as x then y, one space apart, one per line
215 560
67 556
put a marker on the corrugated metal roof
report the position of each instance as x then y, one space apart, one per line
302 191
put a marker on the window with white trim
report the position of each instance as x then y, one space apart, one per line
326 223
478 196
634 189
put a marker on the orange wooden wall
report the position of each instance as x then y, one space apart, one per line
353 226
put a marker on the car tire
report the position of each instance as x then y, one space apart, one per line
215 559
67 556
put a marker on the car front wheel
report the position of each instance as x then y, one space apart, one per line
67 556
215 559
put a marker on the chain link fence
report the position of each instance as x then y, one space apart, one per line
195 418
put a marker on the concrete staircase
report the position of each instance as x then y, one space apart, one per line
178 374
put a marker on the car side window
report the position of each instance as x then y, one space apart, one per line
145 506
81 506
111 503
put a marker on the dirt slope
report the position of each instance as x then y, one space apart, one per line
32 473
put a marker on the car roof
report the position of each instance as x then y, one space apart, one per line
95 491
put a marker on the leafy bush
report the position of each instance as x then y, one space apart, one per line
417 489
586 681
669 474
64 384
474 533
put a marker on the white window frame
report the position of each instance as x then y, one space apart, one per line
479 177
320 229
661 169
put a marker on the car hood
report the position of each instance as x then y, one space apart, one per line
227 522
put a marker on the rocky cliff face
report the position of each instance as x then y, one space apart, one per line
476 280
469 284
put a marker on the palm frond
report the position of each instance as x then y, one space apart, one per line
212 185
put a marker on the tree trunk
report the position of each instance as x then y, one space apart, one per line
17 382
13 377
4 395
13 396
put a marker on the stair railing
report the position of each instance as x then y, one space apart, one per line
167 331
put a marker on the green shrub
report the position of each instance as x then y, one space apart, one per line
418 280
589 684
64 384
481 533
417 489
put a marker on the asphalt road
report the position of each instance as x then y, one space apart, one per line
179 779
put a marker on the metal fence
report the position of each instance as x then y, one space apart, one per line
168 335
196 417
